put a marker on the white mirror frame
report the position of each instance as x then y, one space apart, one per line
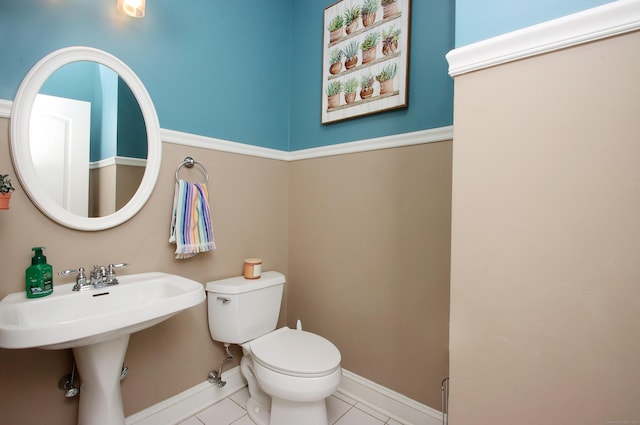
21 152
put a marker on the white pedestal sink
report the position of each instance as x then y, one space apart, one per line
96 324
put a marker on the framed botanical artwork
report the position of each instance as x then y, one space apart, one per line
365 58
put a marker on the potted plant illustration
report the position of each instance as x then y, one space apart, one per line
5 191
385 78
390 40
368 46
351 54
351 16
335 61
349 89
368 11
335 28
333 93
366 85
389 8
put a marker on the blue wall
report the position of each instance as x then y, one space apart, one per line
132 133
479 20
249 71
217 68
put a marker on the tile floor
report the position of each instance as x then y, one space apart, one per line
341 411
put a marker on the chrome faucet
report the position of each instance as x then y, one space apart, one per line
100 276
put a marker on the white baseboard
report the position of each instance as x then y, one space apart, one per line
184 405
393 404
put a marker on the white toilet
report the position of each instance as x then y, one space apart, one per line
290 372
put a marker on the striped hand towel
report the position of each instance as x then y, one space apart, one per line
191 227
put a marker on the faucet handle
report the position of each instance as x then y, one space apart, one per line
81 278
111 273
69 271
79 270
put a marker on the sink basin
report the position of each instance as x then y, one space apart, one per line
96 325
67 319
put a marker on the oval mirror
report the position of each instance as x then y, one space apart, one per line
88 152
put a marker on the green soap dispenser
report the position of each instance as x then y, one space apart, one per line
39 275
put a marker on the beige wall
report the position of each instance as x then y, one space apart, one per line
128 178
249 198
369 262
545 278
370 243
112 186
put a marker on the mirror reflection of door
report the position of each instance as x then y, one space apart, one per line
59 141
113 152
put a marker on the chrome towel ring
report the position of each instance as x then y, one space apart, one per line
189 163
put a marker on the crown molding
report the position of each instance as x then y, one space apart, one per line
600 22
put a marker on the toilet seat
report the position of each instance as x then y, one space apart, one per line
296 353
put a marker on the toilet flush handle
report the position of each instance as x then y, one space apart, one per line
224 300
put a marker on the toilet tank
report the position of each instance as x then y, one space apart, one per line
243 309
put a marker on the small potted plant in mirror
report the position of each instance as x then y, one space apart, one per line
5 191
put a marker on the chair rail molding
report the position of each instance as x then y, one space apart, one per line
439 134
5 108
600 22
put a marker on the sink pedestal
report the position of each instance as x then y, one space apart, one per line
99 366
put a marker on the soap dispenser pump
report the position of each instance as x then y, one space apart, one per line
39 275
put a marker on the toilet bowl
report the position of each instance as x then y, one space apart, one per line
289 372
293 372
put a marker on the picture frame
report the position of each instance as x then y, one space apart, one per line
365 58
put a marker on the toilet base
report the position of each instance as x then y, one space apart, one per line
258 414
285 412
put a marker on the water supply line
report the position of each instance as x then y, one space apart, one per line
445 401
69 384
124 372
216 377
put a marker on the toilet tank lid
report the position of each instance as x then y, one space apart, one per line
239 285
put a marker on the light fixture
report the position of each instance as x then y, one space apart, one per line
133 8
